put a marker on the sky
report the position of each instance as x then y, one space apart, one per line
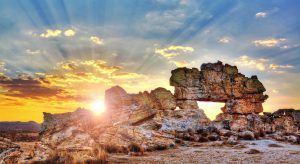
57 55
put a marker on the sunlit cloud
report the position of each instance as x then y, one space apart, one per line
261 14
272 42
182 63
68 65
57 33
69 32
275 66
51 33
259 64
224 40
125 75
32 52
173 51
96 40
262 64
101 66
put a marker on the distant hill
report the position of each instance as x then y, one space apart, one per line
18 126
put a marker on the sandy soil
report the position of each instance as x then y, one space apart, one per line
216 153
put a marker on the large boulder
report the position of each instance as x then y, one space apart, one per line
163 99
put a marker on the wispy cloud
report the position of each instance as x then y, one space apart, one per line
96 40
181 63
271 42
261 64
225 40
173 51
32 52
261 14
275 66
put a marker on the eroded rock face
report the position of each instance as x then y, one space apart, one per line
266 124
116 98
219 83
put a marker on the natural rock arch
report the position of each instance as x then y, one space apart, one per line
217 82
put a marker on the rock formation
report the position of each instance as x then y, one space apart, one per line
219 83
158 119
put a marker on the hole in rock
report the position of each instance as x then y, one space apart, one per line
211 109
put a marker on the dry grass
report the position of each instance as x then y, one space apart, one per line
97 155
135 149
111 148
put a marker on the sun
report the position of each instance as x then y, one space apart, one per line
98 107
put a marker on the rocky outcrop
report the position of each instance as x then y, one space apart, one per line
116 98
9 151
217 82
260 124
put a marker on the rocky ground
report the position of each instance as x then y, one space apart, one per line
215 152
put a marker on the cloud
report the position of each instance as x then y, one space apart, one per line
224 40
2 67
26 86
62 83
173 51
275 66
261 14
68 65
96 40
261 64
101 66
51 33
32 52
57 33
173 2
162 22
69 32
272 42
2 64
125 75
182 63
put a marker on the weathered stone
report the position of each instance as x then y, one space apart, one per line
159 98
163 99
182 120
219 83
247 135
232 140
116 98
140 115
187 104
